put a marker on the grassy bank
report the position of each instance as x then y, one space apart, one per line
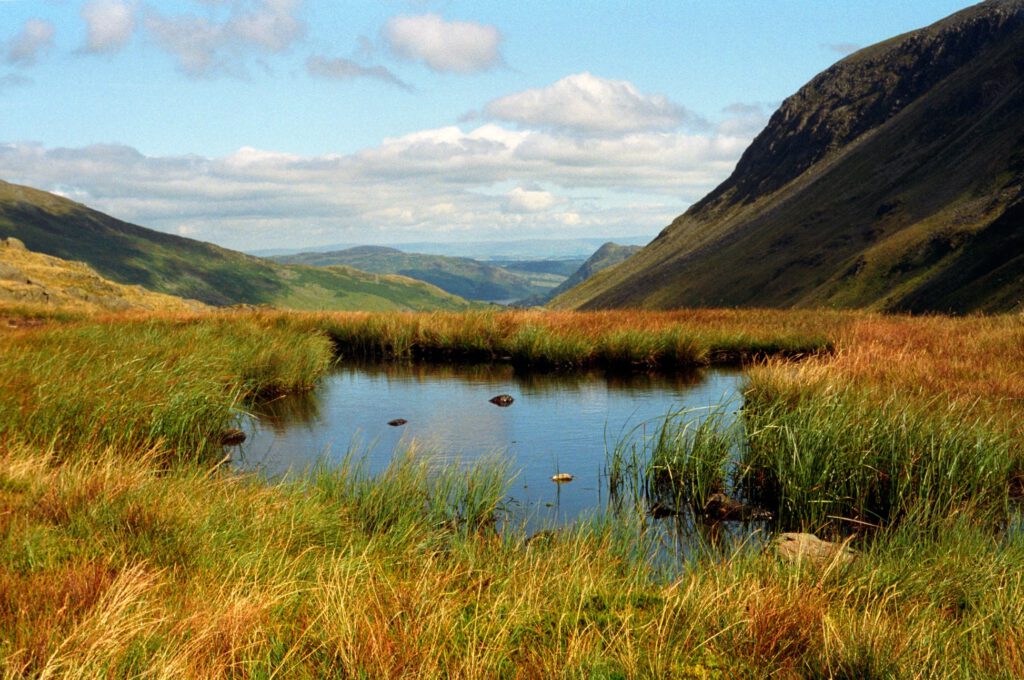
648 340
124 552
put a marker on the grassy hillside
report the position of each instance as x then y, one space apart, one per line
893 180
460 276
35 279
130 254
606 256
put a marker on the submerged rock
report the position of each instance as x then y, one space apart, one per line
721 507
232 437
502 400
397 421
798 547
562 477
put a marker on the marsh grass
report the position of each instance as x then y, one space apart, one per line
134 383
123 553
613 340
839 456
675 463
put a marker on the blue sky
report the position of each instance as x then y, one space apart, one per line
290 123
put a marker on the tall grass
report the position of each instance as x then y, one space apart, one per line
841 456
118 559
132 384
646 340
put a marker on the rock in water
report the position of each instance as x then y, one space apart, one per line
502 400
397 421
232 437
797 547
721 507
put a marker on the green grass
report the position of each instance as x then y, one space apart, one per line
125 552
137 384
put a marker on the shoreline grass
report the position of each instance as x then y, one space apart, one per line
124 553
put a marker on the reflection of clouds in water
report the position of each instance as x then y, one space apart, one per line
559 422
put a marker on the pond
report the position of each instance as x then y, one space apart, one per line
558 423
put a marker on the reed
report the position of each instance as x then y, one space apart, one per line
132 384
123 553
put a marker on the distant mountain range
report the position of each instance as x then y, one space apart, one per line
531 250
462 276
129 254
893 180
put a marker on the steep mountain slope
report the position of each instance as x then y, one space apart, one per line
460 276
604 257
892 180
37 279
130 254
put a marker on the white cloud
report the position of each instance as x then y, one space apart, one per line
446 183
109 24
446 46
35 37
587 103
206 47
521 200
346 69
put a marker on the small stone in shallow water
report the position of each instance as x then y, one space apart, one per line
232 437
562 477
502 400
397 421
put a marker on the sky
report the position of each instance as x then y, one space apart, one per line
273 124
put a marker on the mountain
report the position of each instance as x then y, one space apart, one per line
460 276
37 279
133 255
604 257
536 249
892 180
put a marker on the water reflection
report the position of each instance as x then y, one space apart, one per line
559 422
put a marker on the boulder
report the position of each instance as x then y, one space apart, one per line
800 547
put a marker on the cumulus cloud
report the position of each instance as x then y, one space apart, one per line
35 37
586 103
445 46
346 69
491 181
207 47
521 200
109 24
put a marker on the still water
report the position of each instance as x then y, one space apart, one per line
558 423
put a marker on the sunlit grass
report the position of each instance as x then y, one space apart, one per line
125 552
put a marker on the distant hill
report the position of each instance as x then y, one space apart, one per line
604 257
37 279
130 254
460 276
535 249
893 180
